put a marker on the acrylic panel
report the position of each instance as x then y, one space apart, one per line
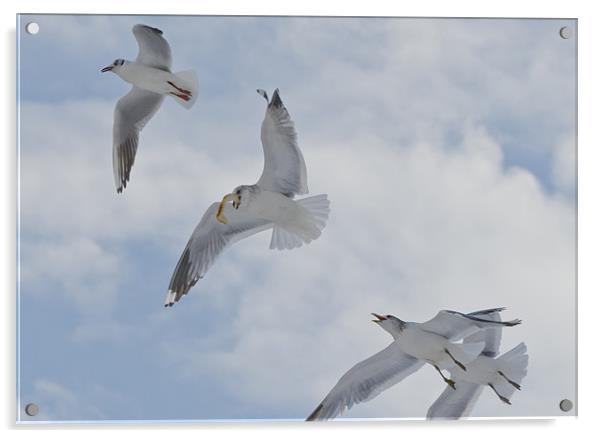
393 168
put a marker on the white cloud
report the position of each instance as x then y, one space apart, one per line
75 270
564 166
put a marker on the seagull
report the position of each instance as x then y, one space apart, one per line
151 78
250 209
414 344
502 374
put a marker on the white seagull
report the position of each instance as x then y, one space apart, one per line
152 79
502 374
414 344
250 209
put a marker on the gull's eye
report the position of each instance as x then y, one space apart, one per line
388 316
238 192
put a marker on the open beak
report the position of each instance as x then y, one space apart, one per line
378 317
107 68
220 211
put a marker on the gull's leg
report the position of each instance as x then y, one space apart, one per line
185 97
516 385
450 382
502 398
460 364
181 90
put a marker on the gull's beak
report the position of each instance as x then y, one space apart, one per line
107 68
378 317
220 211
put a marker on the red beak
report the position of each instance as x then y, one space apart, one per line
108 68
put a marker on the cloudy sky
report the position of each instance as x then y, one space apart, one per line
447 148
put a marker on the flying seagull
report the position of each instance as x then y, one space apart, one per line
502 374
249 209
151 78
414 344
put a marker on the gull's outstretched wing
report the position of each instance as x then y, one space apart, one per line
453 404
456 325
132 112
366 380
284 167
154 50
492 336
207 242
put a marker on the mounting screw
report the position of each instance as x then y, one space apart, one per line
31 409
566 32
566 405
32 28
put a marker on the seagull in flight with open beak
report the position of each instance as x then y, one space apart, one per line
414 344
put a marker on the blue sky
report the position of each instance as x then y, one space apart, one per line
446 148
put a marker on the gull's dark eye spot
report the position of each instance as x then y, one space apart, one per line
388 316
238 192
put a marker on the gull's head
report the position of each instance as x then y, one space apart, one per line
238 197
389 323
115 66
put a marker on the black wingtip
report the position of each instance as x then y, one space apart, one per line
314 415
154 29
487 311
513 322
276 101
123 185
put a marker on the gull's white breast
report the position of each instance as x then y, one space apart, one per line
147 78
274 207
422 344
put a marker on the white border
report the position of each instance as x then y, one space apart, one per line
590 219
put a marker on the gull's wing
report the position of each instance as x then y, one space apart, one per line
453 404
154 50
492 336
456 325
366 380
207 242
284 167
132 112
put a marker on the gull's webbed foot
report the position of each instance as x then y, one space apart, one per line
505 400
501 397
451 383
184 97
181 90
516 385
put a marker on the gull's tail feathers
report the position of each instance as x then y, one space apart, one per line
283 239
306 227
186 88
513 365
